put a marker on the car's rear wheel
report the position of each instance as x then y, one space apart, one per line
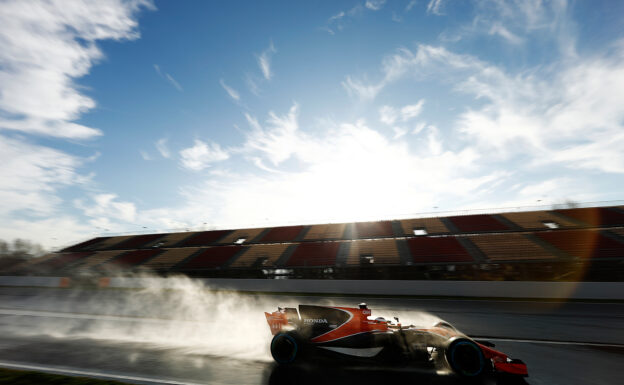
466 358
286 348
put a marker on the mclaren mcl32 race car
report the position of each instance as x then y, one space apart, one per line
344 333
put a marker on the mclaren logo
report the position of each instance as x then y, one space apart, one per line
315 321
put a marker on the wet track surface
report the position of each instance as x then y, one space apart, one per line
120 335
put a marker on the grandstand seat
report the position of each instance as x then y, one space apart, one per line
137 242
584 244
372 229
282 234
477 223
314 254
267 254
83 246
619 231
437 250
110 242
132 258
595 216
169 258
382 251
510 247
246 234
205 238
535 220
170 240
95 259
62 260
211 257
326 232
431 225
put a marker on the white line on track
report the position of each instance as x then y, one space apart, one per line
550 342
89 373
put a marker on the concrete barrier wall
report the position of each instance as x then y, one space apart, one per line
33 281
540 290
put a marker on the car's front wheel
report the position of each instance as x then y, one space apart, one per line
466 358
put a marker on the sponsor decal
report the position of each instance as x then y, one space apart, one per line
315 321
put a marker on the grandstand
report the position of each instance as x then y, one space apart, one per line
529 245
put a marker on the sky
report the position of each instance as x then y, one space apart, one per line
133 116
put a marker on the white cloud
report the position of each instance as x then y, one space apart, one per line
418 128
567 113
145 155
389 115
264 61
399 132
163 148
202 155
168 78
31 178
410 5
411 111
53 233
570 115
404 61
105 207
44 47
231 91
349 169
338 21
279 140
435 6
374 5
520 23
498 29
360 90
337 16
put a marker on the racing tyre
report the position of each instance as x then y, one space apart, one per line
466 358
286 348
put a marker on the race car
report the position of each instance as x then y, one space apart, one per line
317 332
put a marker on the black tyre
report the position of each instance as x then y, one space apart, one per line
286 348
466 358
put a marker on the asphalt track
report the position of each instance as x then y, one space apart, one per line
191 336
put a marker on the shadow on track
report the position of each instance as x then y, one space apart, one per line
364 375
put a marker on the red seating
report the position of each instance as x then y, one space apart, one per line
434 250
373 229
62 260
595 216
134 258
314 254
84 244
584 244
136 242
282 234
476 223
212 257
205 238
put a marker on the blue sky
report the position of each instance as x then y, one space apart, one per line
133 116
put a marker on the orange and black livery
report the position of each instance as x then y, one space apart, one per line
335 332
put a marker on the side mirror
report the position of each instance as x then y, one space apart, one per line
397 319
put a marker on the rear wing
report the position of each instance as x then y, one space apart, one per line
283 318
